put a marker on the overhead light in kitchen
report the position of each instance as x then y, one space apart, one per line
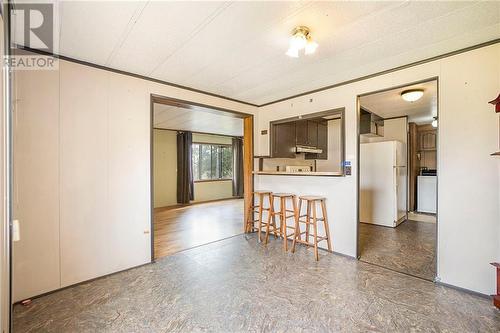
412 95
301 39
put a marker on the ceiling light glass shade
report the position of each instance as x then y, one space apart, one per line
412 95
310 47
294 53
435 123
301 40
298 41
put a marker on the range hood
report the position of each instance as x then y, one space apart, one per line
370 124
308 149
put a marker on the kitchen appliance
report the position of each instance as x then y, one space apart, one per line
428 172
382 183
298 168
426 193
308 149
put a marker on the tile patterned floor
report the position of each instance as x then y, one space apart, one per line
409 248
237 285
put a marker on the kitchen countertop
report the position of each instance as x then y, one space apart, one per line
307 173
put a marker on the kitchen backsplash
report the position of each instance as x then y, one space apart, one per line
271 164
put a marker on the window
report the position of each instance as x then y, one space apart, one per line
212 161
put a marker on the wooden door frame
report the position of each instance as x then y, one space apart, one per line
248 156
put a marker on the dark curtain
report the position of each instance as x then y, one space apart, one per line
185 184
237 167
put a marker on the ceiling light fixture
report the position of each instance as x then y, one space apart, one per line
301 39
412 95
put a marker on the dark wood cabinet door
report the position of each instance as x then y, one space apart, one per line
301 132
321 142
312 133
284 140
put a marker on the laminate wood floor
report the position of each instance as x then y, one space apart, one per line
181 228
409 248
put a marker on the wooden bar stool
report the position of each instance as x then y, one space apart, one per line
311 218
283 217
259 209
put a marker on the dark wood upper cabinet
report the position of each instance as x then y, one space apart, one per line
321 141
283 140
306 133
301 137
312 133
286 136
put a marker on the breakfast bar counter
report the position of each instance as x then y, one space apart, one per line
297 173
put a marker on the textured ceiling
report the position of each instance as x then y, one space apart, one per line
203 120
237 49
388 104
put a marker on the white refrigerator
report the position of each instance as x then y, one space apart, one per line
383 179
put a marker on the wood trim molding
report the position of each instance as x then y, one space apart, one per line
247 166
387 71
197 132
248 158
193 105
118 71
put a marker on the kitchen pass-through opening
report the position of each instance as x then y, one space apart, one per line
398 170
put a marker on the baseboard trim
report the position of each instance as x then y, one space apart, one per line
468 291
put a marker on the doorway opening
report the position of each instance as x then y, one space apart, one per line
201 174
398 170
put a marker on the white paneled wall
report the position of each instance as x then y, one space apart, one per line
87 231
36 183
4 246
468 182
128 175
83 174
82 169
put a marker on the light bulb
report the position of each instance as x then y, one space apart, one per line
435 123
301 40
292 52
310 47
298 41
